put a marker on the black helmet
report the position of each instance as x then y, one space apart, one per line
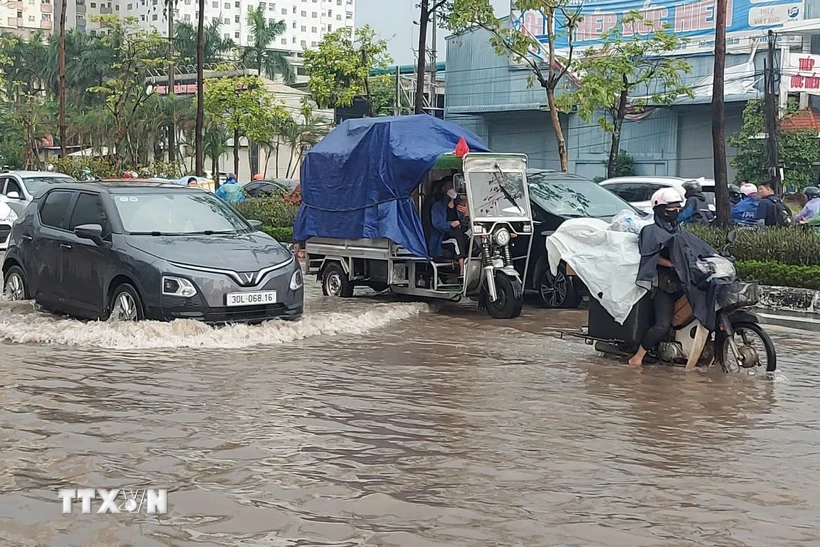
734 189
691 186
811 192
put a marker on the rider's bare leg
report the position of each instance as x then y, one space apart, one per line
461 266
637 359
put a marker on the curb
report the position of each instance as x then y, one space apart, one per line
788 299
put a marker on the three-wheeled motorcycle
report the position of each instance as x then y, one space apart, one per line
495 189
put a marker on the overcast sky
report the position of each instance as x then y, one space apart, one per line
393 19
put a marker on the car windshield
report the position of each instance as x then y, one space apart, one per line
34 184
176 213
497 194
577 198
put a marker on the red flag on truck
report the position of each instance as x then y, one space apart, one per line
461 148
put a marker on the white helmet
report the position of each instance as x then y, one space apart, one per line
748 189
666 196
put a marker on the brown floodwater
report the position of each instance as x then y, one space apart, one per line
379 422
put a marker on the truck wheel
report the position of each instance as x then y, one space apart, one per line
335 281
557 291
510 299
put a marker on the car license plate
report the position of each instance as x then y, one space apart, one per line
251 298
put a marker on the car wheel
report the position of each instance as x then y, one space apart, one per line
335 281
126 304
14 286
557 291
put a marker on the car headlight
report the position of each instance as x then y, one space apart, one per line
527 228
296 280
177 286
502 236
478 229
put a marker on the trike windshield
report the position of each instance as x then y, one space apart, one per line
498 194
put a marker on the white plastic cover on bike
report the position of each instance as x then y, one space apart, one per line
606 261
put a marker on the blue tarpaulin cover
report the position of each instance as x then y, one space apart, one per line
357 181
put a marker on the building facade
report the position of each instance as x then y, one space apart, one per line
26 17
492 95
307 21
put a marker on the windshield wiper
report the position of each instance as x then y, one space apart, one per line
211 232
154 233
504 191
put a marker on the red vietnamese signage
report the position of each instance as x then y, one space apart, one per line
804 73
189 89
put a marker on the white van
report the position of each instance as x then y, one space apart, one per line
638 190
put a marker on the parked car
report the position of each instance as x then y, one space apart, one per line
638 190
554 198
18 188
7 218
132 251
264 188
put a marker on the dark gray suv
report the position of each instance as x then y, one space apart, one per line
132 251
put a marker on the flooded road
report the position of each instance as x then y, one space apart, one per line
377 422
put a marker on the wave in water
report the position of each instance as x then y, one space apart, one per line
19 323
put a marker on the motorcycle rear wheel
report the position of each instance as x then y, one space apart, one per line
745 332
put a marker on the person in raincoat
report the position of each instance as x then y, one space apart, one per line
448 222
231 192
696 210
744 212
812 207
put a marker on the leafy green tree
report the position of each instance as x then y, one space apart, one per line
259 55
797 150
340 67
246 108
561 20
124 93
627 63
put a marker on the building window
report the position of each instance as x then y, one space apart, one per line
236 4
313 44
284 41
314 15
227 5
129 7
304 43
312 29
262 5
304 28
330 28
284 11
19 14
304 14
93 4
187 17
235 18
271 6
236 35
300 71
227 35
154 17
339 17
46 17
31 18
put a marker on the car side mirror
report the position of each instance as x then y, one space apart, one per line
255 224
90 231
13 195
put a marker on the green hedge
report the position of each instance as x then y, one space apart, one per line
778 274
797 245
279 233
270 211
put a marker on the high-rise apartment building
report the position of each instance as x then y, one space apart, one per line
307 21
25 17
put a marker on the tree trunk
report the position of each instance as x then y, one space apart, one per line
423 20
172 130
276 158
200 90
251 170
236 152
63 137
722 200
215 171
559 131
616 131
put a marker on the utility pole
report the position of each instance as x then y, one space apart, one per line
722 201
397 107
63 138
771 116
200 95
424 18
433 59
171 129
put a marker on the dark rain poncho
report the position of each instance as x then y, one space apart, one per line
685 251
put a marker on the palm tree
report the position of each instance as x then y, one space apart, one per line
217 49
258 55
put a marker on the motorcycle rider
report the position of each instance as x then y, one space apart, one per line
666 204
744 213
812 207
735 193
696 210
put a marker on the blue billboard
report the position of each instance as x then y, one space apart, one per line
690 19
